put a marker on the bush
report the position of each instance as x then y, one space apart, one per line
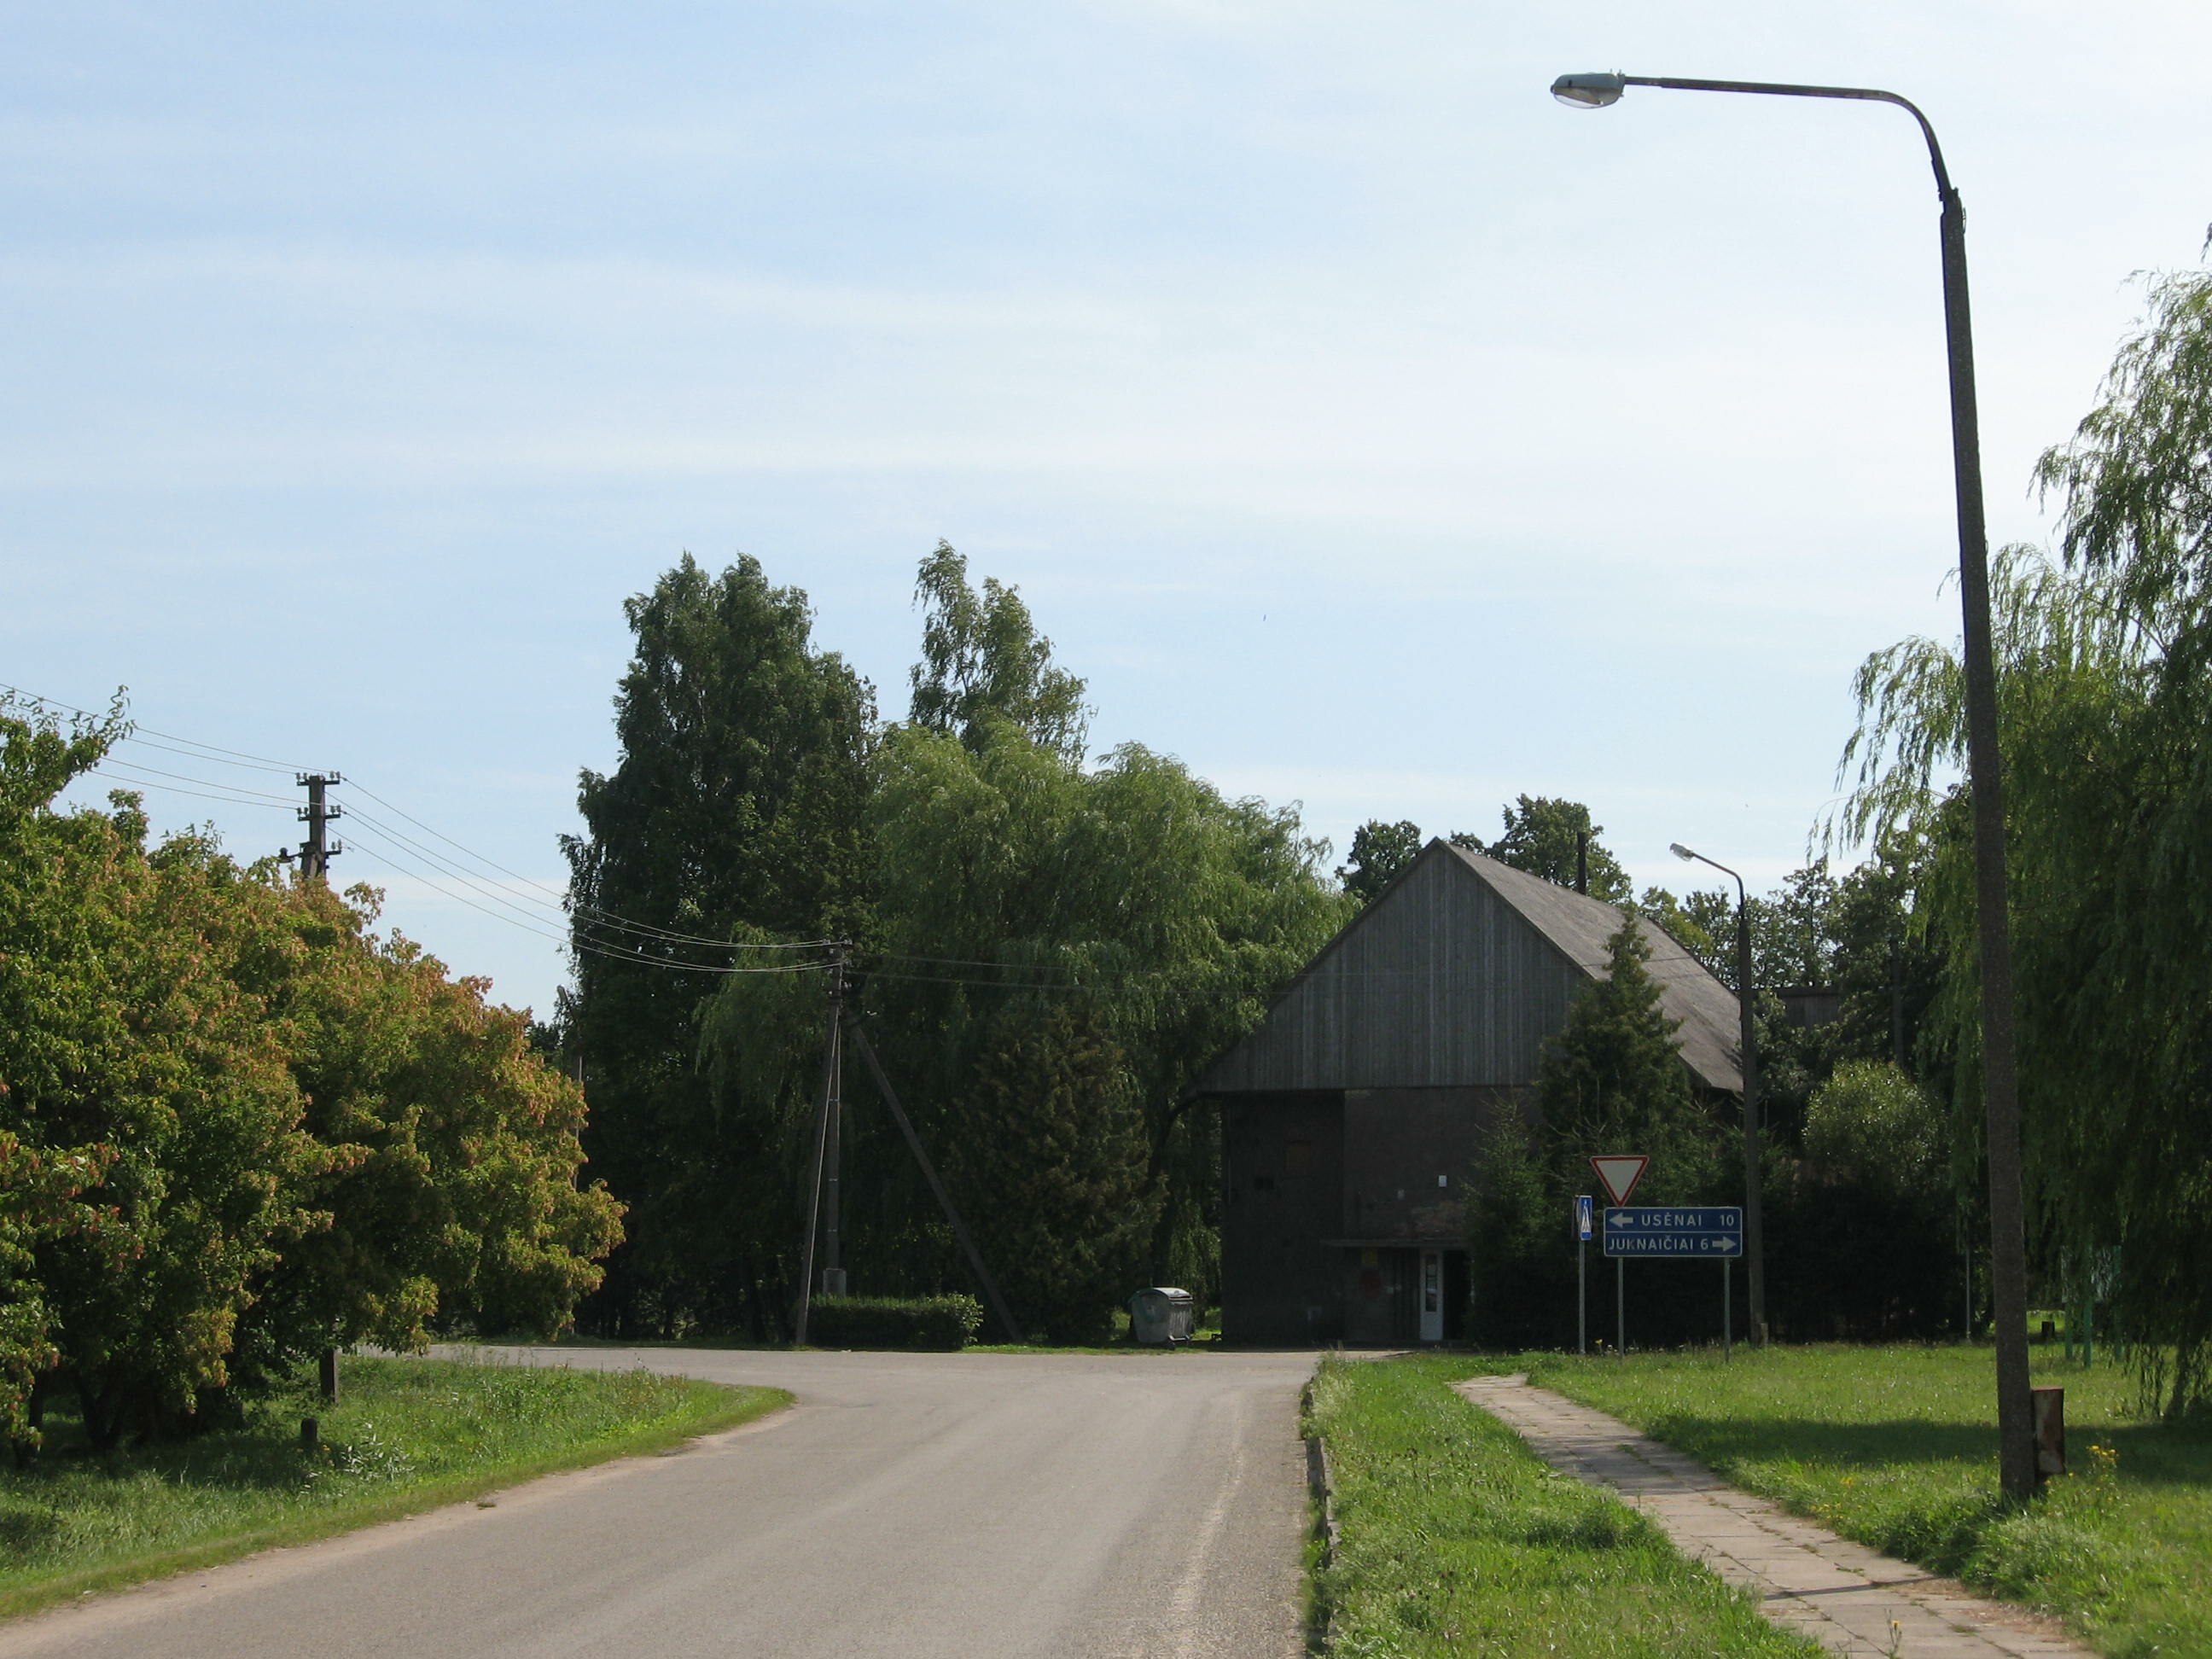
939 1322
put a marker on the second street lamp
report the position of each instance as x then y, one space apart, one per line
1755 1252
2000 1076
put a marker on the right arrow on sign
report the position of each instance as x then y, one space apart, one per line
1620 1173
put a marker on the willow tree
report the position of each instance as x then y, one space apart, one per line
2104 696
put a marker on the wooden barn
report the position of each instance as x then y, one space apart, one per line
1350 1117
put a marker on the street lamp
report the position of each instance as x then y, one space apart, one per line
2000 1078
1748 1007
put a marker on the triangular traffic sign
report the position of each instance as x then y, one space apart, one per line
1620 1173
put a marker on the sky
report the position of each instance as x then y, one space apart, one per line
1368 429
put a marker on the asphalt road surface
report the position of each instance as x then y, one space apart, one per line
981 1505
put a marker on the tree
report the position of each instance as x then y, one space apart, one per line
982 658
1863 1225
233 1129
1051 1166
1871 1125
1380 853
451 1190
1612 1076
1012 879
1611 1080
1700 923
2104 695
131 1048
735 813
1542 837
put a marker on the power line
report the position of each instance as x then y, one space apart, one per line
209 783
233 755
189 754
590 913
401 864
199 795
580 918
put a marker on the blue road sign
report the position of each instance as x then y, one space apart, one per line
1707 1233
1582 1228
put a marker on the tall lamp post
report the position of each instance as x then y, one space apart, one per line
1747 996
2000 1079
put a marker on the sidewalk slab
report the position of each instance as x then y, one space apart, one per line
1850 1599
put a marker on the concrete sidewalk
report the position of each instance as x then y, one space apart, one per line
1844 1595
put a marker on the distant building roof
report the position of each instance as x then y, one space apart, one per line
1453 976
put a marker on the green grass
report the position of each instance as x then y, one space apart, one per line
410 1435
1896 1447
1456 1539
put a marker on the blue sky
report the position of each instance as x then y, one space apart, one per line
1369 430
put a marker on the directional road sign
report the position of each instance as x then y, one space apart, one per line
1583 1228
1706 1234
1620 1173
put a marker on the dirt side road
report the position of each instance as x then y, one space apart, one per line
989 1506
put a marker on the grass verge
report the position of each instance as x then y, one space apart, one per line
1455 1539
1896 1447
410 1435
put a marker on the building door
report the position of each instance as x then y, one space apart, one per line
1432 1296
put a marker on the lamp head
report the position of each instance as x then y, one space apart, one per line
1679 851
1589 91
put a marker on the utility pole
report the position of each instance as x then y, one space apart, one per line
315 855
833 1268
318 850
829 1110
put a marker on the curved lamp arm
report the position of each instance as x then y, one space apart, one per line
1597 91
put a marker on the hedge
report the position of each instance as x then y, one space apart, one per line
858 1321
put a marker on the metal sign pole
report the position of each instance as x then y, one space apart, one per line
1620 1306
1728 1337
1582 1230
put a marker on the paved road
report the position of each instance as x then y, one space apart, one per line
992 1506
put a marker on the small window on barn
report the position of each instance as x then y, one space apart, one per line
1297 1157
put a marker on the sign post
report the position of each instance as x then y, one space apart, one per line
1582 1272
1701 1232
1620 1171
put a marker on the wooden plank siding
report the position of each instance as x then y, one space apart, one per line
1453 977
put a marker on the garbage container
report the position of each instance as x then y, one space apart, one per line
1160 1315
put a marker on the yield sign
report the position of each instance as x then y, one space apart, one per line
1620 1173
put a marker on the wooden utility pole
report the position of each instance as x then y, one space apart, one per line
833 1266
315 855
825 1114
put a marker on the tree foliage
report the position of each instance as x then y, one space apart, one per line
734 814
165 1169
983 660
1542 835
1380 854
1045 947
1010 877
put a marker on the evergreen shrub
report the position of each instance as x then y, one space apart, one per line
936 1322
